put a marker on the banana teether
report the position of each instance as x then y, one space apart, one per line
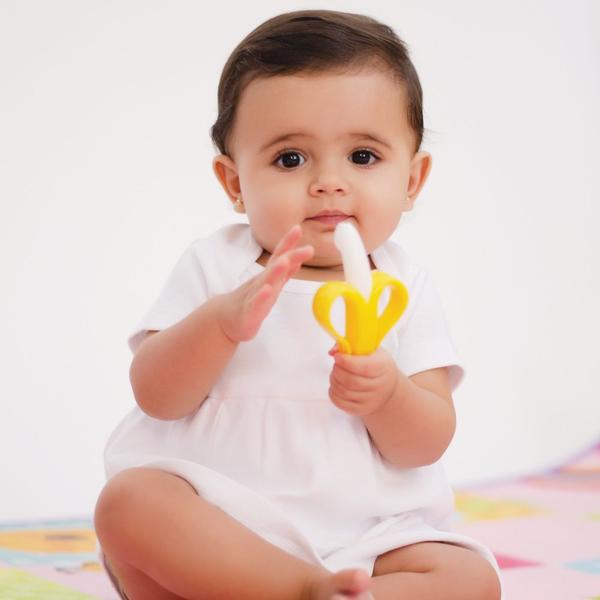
360 292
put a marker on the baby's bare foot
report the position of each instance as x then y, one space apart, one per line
351 584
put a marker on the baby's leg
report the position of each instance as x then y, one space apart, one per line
434 570
165 542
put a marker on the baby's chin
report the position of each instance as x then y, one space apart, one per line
329 263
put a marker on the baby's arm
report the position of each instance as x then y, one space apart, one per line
174 369
410 420
416 425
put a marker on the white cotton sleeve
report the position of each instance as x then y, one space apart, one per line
185 289
424 340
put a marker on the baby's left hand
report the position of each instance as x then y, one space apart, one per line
361 384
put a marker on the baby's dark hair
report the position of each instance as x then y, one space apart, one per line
315 41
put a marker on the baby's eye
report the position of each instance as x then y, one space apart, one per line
363 157
289 159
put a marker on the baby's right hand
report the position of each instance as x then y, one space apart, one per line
243 310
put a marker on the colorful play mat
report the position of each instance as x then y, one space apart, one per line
544 531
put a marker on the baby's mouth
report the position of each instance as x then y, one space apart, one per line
330 217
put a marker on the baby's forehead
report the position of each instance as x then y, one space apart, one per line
322 106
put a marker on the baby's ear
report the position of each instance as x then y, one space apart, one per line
226 171
420 166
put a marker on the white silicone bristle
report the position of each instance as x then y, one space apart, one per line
354 257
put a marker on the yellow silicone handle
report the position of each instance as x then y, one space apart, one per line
364 328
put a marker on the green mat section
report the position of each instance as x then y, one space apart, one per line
21 585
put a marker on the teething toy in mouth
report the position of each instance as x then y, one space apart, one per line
361 291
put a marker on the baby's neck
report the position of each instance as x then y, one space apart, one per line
313 273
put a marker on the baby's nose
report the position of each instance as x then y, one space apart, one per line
328 183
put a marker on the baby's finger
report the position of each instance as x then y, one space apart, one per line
286 265
277 275
298 255
349 381
349 406
276 271
259 306
357 364
289 240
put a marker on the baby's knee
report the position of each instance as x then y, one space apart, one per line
485 580
120 506
467 572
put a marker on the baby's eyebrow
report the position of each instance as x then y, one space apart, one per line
372 138
287 136
281 138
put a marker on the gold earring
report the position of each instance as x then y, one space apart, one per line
239 204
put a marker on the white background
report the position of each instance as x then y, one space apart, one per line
106 177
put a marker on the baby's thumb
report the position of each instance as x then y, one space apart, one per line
333 350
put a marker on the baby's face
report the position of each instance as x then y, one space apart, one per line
307 144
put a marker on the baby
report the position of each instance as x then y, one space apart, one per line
260 462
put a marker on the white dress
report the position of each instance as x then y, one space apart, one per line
268 446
